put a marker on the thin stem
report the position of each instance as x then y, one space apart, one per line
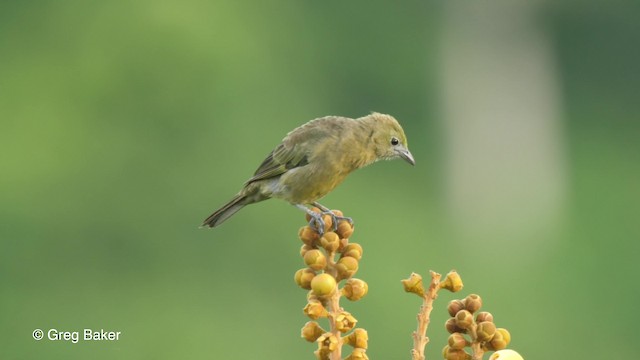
476 347
334 309
420 339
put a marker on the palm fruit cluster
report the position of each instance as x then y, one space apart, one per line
331 262
472 328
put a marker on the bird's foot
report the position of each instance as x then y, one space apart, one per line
316 222
336 218
315 219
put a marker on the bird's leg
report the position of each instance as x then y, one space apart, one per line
335 218
316 221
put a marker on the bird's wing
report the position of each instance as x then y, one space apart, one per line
296 148
281 159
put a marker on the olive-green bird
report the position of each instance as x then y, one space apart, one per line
314 158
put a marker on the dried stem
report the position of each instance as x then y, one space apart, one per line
420 339
476 346
334 308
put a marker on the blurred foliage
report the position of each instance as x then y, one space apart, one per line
125 123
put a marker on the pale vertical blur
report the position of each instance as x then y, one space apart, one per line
505 171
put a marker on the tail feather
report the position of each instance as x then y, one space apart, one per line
225 212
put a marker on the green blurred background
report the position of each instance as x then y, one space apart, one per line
124 124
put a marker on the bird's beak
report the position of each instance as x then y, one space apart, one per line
405 154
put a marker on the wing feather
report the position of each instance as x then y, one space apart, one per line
278 162
295 149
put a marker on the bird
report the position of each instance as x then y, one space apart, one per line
316 157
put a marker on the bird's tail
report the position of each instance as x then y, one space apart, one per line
225 212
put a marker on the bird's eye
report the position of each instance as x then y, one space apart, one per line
394 141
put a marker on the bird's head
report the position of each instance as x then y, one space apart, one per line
388 138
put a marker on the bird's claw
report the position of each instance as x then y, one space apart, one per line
335 219
317 223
